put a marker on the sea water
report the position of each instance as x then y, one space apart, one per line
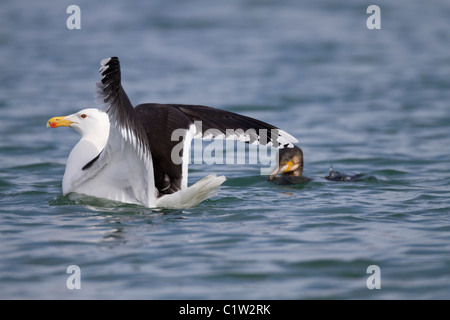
371 101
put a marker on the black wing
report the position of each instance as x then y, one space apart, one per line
160 120
116 104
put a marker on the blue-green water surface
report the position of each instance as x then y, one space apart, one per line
365 101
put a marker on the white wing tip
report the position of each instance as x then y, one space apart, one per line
286 138
104 65
105 61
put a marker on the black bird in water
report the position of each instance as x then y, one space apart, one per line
338 176
290 167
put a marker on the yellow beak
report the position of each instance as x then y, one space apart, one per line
58 122
288 166
283 169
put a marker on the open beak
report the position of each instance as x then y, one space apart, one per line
58 122
283 169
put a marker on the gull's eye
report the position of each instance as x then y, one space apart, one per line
83 116
287 159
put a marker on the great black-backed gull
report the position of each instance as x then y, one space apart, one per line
126 154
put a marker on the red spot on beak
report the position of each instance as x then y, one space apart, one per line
53 124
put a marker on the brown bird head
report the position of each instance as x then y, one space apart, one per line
290 163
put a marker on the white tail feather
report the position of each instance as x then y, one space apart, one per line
192 196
